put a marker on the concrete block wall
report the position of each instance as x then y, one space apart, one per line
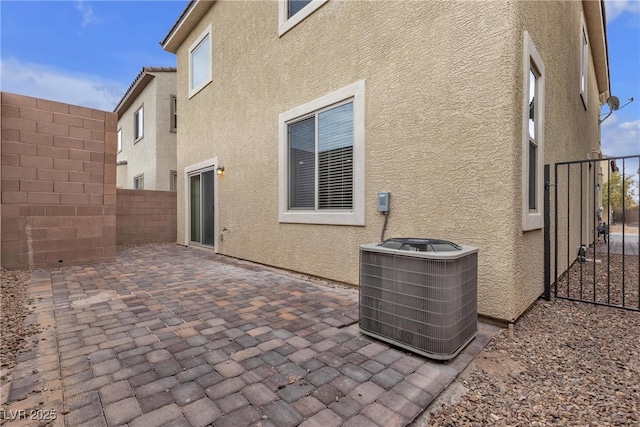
145 216
58 183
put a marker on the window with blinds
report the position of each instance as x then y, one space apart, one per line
321 160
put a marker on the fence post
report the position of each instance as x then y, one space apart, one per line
547 235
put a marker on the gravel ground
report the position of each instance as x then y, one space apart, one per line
579 283
563 363
14 301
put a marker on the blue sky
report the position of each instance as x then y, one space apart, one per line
88 53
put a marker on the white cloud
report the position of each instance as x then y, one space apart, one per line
88 17
622 139
615 8
47 82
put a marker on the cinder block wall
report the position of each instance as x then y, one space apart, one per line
145 216
58 183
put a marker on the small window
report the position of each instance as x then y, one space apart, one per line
174 181
533 137
174 113
292 12
119 140
584 62
138 182
322 160
138 123
200 62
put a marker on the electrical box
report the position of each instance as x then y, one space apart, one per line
383 201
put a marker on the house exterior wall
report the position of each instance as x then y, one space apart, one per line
571 133
165 138
443 130
145 216
58 183
154 154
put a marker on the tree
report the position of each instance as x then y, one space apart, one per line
612 194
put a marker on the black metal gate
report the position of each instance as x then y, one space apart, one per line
591 234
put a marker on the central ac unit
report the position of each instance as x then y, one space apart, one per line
420 294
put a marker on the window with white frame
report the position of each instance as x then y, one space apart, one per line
119 140
533 137
138 182
138 124
173 185
200 66
174 113
292 12
584 61
321 166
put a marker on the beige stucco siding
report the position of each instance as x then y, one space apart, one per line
571 133
443 128
438 128
154 154
165 87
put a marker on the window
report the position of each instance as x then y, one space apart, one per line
173 183
138 124
138 182
533 137
584 62
174 113
200 62
119 140
321 164
292 12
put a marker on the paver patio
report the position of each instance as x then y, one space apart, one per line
176 336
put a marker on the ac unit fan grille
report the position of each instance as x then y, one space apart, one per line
426 305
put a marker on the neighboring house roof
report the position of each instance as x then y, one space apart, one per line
191 15
141 81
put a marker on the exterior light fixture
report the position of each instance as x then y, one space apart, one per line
220 170
597 187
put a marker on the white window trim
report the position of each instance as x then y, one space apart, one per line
171 186
354 216
206 164
136 178
285 24
209 78
137 138
584 61
173 108
119 140
532 220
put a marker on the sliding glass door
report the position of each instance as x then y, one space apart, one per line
201 201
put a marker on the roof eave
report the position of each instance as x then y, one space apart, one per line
594 11
189 18
139 83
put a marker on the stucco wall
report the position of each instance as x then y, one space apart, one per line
145 216
443 116
165 138
571 133
154 154
58 183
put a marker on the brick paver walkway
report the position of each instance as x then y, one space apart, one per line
175 336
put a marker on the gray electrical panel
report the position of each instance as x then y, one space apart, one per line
383 201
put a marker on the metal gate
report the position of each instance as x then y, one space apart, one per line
591 231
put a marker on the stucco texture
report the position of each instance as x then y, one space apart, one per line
153 155
443 129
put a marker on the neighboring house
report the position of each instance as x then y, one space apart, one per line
313 107
147 124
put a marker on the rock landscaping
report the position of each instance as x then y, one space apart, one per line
563 363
